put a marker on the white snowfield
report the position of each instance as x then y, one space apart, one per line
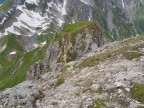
28 21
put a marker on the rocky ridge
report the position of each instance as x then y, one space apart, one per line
109 76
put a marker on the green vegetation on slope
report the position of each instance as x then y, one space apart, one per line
125 28
14 69
11 44
9 62
99 103
99 90
129 51
73 29
138 92
5 5
59 82
21 71
47 36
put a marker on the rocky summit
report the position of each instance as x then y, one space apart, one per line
71 54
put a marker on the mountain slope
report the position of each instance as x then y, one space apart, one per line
110 76
59 48
17 55
10 54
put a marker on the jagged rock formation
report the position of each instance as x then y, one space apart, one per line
73 45
69 46
35 71
107 76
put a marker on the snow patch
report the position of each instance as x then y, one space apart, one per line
123 3
4 19
64 8
44 43
60 22
12 53
90 16
87 2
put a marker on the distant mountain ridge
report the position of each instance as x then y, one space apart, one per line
119 19
28 17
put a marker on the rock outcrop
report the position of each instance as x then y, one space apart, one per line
70 46
74 44
19 96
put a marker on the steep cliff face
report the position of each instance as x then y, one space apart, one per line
117 17
73 42
78 11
